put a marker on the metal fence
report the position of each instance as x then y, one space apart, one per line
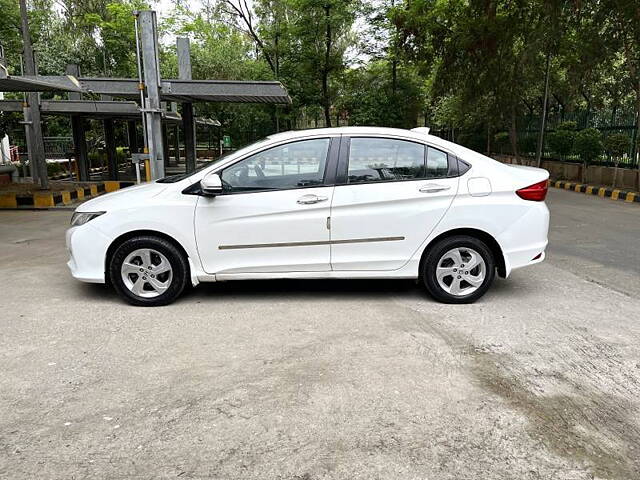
57 147
607 122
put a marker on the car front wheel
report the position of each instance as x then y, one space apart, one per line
148 271
458 269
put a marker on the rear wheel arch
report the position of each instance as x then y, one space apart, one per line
140 233
487 238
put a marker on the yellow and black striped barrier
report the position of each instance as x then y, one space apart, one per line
48 199
604 192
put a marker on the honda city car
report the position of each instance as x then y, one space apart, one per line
349 202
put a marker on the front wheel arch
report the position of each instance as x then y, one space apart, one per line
137 233
488 239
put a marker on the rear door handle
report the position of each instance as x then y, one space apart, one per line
311 199
433 188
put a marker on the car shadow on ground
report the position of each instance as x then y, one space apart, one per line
311 289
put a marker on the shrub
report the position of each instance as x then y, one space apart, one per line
122 153
54 169
588 144
561 141
567 126
617 144
501 140
528 143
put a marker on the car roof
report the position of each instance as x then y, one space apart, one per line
418 134
395 132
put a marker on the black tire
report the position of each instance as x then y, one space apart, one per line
438 250
177 260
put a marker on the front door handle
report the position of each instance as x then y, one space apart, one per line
311 199
433 188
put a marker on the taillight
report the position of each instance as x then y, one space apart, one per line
536 192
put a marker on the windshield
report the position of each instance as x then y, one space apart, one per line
240 152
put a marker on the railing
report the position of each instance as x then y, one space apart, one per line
57 147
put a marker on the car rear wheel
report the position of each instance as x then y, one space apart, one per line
148 271
458 269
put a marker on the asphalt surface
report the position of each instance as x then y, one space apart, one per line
327 379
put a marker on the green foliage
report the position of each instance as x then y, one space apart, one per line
588 144
501 139
561 141
54 169
10 32
617 144
568 126
527 144
379 104
9 122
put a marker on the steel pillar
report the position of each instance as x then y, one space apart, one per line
165 143
176 143
33 125
80 147
152 81
78 124
188 119
132 134
5 155
110 147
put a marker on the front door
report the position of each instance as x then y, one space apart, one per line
272 216
394 193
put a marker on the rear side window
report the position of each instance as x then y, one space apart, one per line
437 163
385 159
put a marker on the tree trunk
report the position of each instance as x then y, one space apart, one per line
636 150
326 104
488 139
513 134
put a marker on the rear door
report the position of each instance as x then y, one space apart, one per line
390 194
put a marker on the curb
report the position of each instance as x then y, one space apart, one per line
604 192
61 198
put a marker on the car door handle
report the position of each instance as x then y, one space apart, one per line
311 199
433 188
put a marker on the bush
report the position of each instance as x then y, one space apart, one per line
567 126
528 144
617 144
561 141
501 140
54 169
588 144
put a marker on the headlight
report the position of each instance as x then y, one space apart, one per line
80 218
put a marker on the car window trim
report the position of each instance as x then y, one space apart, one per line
345 150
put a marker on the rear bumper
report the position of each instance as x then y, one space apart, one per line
87 249
524 243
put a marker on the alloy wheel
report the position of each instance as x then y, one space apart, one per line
146 272
461 271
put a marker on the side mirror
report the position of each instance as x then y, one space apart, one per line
211 185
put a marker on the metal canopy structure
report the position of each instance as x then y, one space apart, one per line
143 98
38 83
97 109
171 90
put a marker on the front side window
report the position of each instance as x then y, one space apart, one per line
293 165
385 159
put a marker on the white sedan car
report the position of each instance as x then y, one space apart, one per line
352 202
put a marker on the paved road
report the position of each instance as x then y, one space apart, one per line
327 379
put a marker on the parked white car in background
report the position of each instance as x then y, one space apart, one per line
352 202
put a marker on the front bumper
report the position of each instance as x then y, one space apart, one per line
87 248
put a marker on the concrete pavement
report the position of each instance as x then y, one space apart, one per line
327 379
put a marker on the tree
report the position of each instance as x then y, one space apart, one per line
588 145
